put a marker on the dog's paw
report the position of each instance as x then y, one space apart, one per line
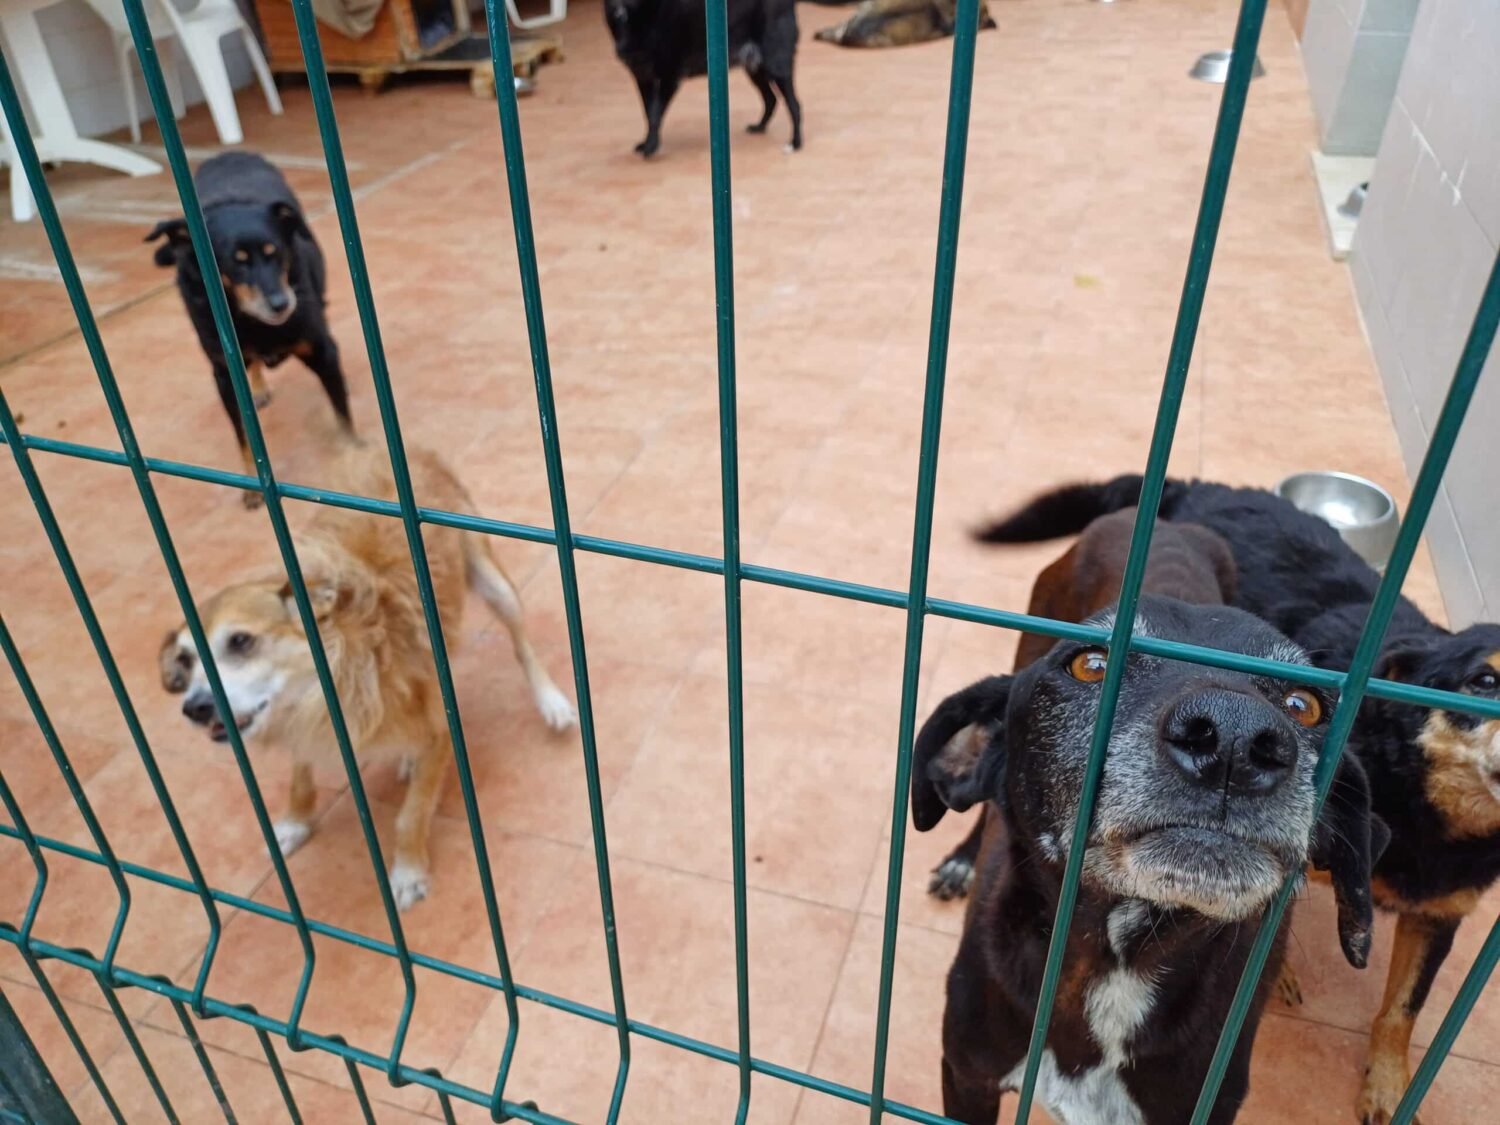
251 499
951 879
757 128
556 709
1288 987
1385 1082
406 765
262 398
291 835
409 885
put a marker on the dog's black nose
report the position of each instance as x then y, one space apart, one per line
1229 741
278 301
198 708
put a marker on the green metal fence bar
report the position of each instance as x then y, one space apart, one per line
273 1060
22 831
338 175
205 1064
132 457
1179 360
29 1084
241 1013
218 302
1458 1014
359 1091
133 1041
1471 363
531 293
956 148
716 16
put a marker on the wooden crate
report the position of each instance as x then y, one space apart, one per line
390 44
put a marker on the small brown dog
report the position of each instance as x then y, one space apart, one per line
364 592
1186 561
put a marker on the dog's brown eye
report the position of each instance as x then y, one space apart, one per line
242 255
240 643
1304 708
1089 665
268 250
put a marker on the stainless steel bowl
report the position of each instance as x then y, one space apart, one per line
1360 510
1214 67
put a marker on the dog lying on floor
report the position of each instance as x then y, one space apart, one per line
1434 775
1204 809
899 23
1186 561
361 584
665 41
273 274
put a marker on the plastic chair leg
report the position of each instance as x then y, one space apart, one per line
123 47
262 71
213 79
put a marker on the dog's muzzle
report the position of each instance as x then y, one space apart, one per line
199 709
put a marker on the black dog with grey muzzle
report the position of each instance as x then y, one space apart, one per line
1205 808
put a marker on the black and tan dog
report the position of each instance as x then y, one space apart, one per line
1186 562
1434 774
273 274
899 23
664 41
1205 807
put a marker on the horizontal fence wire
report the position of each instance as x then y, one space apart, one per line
110 976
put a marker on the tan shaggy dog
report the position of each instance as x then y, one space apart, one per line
364 592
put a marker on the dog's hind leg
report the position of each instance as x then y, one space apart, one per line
495 588
323 361
793 106
767 95
953 877
296 826
411 872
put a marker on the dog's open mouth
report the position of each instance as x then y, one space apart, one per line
220 733
1209 870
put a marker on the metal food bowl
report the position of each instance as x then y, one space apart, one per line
1214 67
1362 512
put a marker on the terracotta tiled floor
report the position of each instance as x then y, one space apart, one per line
1085 163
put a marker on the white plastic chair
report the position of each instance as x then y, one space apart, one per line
557 11
197 34
21 206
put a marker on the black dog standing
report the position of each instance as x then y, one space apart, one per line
273 274
665 41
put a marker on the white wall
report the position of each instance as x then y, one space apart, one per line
1352 52
82 53
1424 247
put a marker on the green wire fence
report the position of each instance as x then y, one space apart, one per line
27 1092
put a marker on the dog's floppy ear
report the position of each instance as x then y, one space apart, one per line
959 757
325 595
176 661
175 232
1401 659
1347 842
290 220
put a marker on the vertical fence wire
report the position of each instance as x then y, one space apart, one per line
137 1048
531 292
23 945
338 174
88 326
205 1064
273 1060
960 96
729 456
1458 1014
1179 360
203 248
1471 363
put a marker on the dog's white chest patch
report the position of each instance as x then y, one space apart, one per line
1116 1007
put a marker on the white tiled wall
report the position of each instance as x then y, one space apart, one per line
82 53
1426 242
1352 52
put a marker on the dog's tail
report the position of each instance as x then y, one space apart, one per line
1071 508
492 584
